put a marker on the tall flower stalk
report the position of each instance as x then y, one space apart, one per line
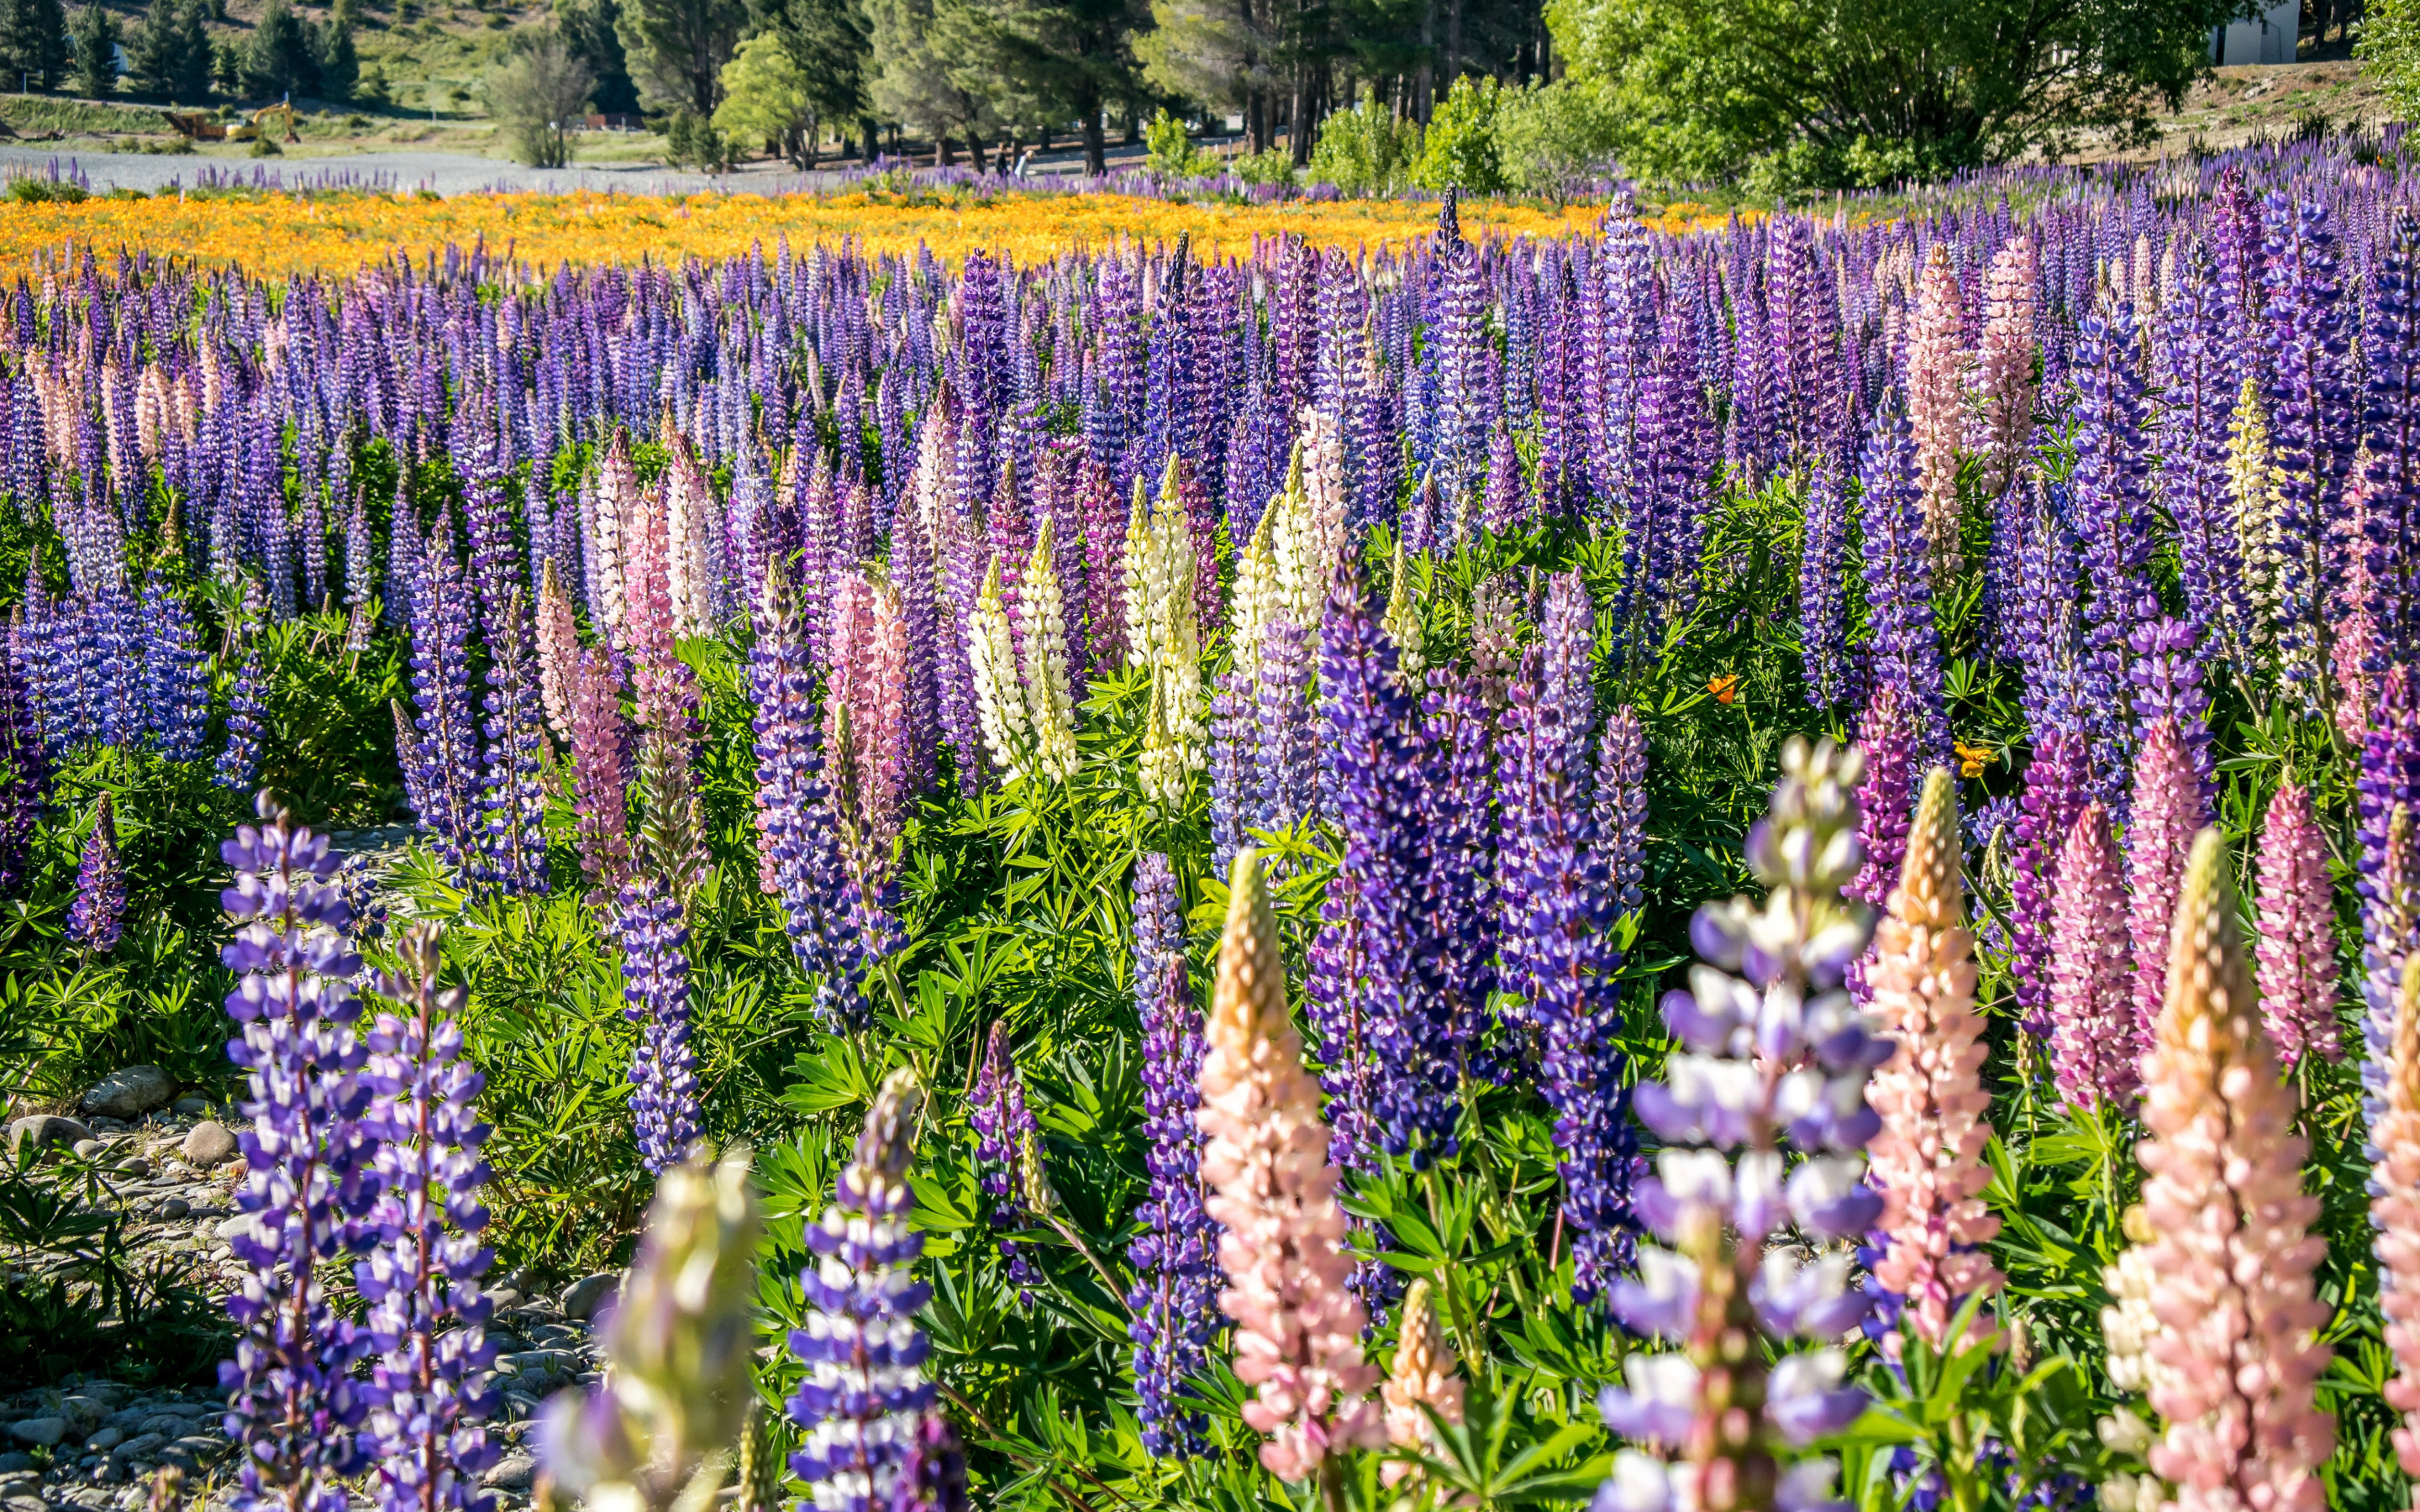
654 943
98 912
2297 952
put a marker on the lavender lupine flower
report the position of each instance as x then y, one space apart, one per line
1621 808
24 769
176 674
99 911
654 971
2197 400
864 1397
2310 417
799 842
2052 797
2166 673
293 1404
2391 436
1906 649
421 1283
447 741
1772 1054
512 804
1175 1299
1004 1130
238 762
1558 908
2112 517
1823 606
1888 738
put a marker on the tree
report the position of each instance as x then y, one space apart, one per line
33 41
1070 59
151 56
1460 149
2389 49
830 44
96 50
277 61
189 75
765 100
1857 93
340 66
536 93
676 48
1215 52
929 69
587 27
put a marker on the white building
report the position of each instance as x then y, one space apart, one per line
2267 38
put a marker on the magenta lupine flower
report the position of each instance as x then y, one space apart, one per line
2168 811
2297 954
1888 734
429 1386
293 1403
600 778
99 911
2052 797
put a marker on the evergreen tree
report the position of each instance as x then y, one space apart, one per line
151 53
677 48
96 50
278 62
340 66
189 74
587 28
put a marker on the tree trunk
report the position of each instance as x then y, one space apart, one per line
872 142
1453 41
1133 127
942 156
1097 149
1299 129
815 129
1424 78
975 151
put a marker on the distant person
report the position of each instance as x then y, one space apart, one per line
1025 163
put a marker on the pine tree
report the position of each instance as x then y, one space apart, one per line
96 51
50 42
189 74
340 66
151 53
277 62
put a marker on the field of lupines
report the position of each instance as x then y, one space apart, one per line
1748 869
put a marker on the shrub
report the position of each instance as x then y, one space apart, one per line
1171 147
1271 168
1462 150
1550 134
1365 150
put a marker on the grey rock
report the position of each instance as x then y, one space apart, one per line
168 1424
504 1298
175 1208
513 1473
24 1503
241 1223
46 1432
131 1093
208 1143
15 1461
89 1148
106 1440
191 1108
193 1451
584 1296
46 1128
143 1445
137 1166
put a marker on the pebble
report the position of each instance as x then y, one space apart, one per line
237 1224
208 1143
137 1166
46 1128
513 1473
193 1451
581 1299
106 1440
143 1444
175 1208
45 1431
191 1108
131 1093
89 1148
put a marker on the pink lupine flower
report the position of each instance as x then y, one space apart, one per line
2297 950
2231 1253
558 652
1422 1379
2094 1052
867 678
2004 369
1273 1190
2394 1209
1936 394
2169 808
1928 1160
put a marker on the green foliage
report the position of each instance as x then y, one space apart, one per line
1549 135
1168 146
676 48
1365 150
96 50
1275 166
1460 150
538 94
764 96
1820 94
2389 51
278 61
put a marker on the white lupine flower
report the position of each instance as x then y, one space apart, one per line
1050 705
1000 699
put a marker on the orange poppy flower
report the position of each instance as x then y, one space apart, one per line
1724 687
1973 758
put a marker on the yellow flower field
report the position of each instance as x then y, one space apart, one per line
335 231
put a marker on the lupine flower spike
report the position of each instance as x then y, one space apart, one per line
2297 951
1929 1158
1423 1379
1772 1054
679 1350
2230 1253
1297 1326
98 912
2394 1209
2094 1049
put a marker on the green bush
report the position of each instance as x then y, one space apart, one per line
46 192
1549 135
1271 168
1462 150
1169 146
1365 150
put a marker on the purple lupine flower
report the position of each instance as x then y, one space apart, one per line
1286 769
512 802
2391 438
800 854
2111 513
1767 1007
1887 740
1231 733
1620 802
654 942
1005 1131
1455 911
98 912
447 739
1558 906
2052 797
2198 401
933 1475
1173 1302
864 1395
2312 434
2387 879
238 762
1455 347
426 1314
2166 673
1823 606
176 674
1906 649
24 769
293 1404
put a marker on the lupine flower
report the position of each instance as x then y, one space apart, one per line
679 1350
429 1386
1401 622
1163 628
1173 1299
2394 1211
1887 737
1042 620
1423 1379
512 804
2112 514
1906 649
1273 1190
933 1476
2311 418
600 755
558 652
2297 952
2252 484
99 911
799 857
2094 1036
24 770
869 742
2168 810
1936 395
2046 811
2231 1253
1772 1050
1621 808
655 972
293 1403
2390 928
2003 375
1000 698
864 1397
176 674
1004 1129
238 762
1928 1160
1823 606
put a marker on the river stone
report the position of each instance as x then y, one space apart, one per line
513 1473
208 1143
582 1298
175 1208
46 1128
191 1108
130 1093
46 1432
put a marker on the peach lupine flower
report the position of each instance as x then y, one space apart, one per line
2094 1054
1273 1191
2231 1255
1424 1374
1928 1160
2395 1210
2169 808
1937 396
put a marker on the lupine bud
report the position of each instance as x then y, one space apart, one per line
1423 1379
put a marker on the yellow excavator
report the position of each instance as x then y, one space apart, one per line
281 113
